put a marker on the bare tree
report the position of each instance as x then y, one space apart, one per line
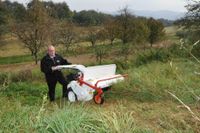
100 53
124 25
92 36
156 30
110 30
34 32
101 50
65 35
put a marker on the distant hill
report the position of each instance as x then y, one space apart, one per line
164 14
170 15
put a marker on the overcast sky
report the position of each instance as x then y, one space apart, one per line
115 5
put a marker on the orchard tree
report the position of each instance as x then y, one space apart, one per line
156 31
131 30
64 34
110 30
124 23
34 32
93 35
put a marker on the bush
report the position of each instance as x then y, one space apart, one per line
122 65
26 93
153 55
22 76
181 34
3 77
176 51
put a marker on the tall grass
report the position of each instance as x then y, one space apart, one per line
148 83
146 108
80 118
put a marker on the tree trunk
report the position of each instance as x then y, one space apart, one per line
151 44
36 59
111 41
100 59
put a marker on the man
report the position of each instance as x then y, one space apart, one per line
53 76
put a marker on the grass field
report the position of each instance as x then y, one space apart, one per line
140 104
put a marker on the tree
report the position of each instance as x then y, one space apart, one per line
92 35
192 17
59 11
110 30
64 34
16 10
131 30
156 31
100 52
124 23
89 18
34 31
191 22
3 18
2 13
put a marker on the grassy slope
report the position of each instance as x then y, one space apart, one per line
140 104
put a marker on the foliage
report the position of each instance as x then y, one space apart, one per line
64 34
166 22
152 55
126 29
191 23
110 30
3 18
156 30
89 18
100 52
15 10
34 31
59 11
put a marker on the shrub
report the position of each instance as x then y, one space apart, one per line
176 51
152 55
3 77
26 93
23 75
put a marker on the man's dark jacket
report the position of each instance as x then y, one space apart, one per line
47 63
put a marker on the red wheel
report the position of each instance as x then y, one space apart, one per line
98 99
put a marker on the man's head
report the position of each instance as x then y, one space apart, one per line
51 50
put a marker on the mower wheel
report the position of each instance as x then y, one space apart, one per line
71 96
98 99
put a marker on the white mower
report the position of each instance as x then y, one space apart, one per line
90 82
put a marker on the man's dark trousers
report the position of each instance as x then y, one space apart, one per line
52 79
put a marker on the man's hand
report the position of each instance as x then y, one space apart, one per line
54 68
